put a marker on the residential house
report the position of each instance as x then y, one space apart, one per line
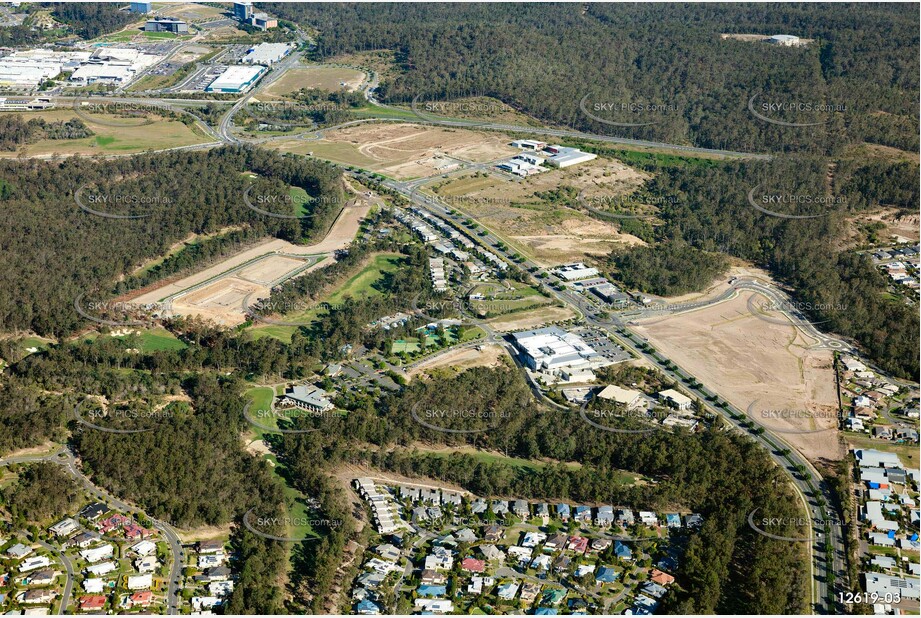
93 584
556 542
472 565
533 539
141 598
40 595
563 512
529 592
140 582
93 602
65 527
507 591
577 544
491 553
604 516
605 575
520 509
622 551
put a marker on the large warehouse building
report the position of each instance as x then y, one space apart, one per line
266 53
29 68
236 79
558 352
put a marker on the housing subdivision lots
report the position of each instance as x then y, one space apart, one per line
437 550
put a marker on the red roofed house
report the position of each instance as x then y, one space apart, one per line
473 565
92 602
140 598
661 578
578 544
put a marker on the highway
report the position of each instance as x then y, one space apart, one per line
64 457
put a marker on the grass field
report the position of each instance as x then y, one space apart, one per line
319 77
361 284
132 137
159 339
908 453
260 398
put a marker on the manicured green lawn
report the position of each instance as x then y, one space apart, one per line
364 283
158 339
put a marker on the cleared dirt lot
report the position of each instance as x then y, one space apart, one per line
222 300
490 356
550 233
746 359
402 150
530 319
319 77
269 270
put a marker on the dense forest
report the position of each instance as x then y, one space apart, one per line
669 269
42 492
92 19
545 59
53 251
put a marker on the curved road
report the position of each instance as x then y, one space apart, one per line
64 457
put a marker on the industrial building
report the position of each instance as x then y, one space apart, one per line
140 7
245 13
786 40
263 21
575 271
113 65
529 144
236 79
166 24
555 351
266 53
29 68
565 157
631 399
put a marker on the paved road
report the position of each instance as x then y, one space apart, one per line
64 457
69 568
789 459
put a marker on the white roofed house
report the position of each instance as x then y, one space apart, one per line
140 582
64 527
96 554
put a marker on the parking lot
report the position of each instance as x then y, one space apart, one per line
602 344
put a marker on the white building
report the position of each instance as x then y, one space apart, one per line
308 397
93 585
529 144
266 53
140 582
630 398
575 271
674 399
102 568
35 562
236 79
29 68
565 157
552 349
97 553
786 40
